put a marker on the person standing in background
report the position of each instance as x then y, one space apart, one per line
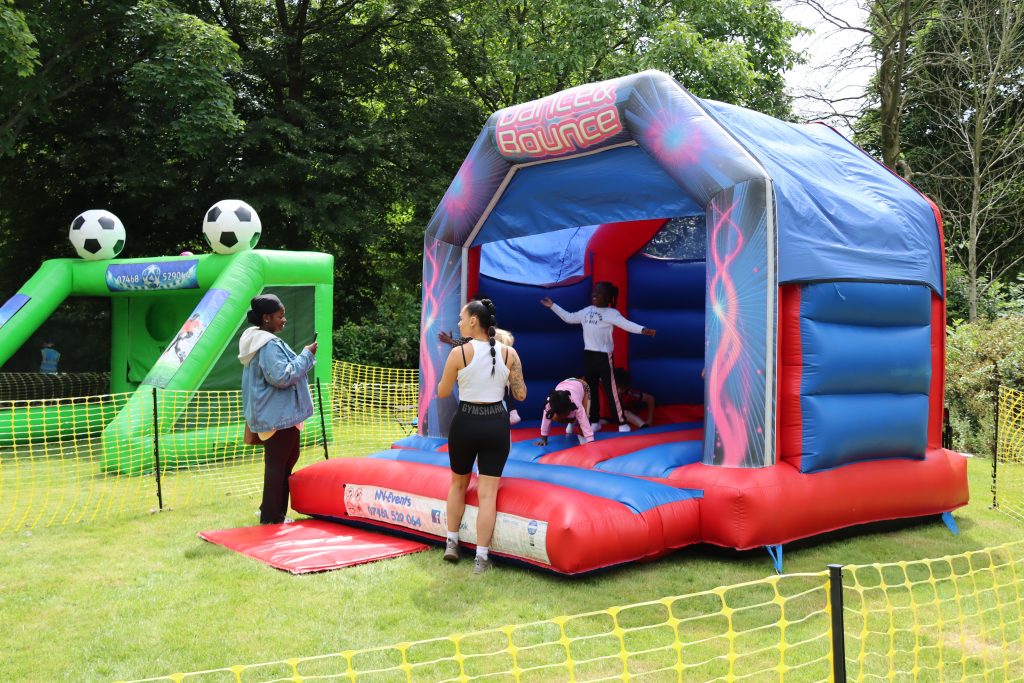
275 398
50 357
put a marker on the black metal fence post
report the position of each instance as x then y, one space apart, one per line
323 423
835 592
995 449
156 452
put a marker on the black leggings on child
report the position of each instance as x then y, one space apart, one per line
598 367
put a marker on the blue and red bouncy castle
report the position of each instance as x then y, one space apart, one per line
803 278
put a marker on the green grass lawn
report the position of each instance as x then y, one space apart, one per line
142 596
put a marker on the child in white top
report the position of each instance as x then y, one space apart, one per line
597 321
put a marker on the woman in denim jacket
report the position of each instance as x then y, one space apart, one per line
275 397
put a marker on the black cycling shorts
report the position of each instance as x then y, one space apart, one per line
479 432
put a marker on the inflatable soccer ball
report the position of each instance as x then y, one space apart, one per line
97 235
231 226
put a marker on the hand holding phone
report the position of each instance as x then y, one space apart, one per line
312 345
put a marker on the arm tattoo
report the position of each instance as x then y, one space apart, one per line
516 384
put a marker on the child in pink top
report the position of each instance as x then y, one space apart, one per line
569 402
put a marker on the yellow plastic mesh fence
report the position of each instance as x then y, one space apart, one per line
954 618
60 463
202 451
774 629
31 386
65 461
1008 480
50 464
372 407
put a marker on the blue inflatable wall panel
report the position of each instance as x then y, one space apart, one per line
669 297
866 372
550 349
867 303
849 359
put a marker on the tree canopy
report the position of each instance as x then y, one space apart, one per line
341 121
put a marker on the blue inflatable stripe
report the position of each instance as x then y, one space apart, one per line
857 359
639 495
655 461
841 429
558 440
667 295
875 304
422 443
867 366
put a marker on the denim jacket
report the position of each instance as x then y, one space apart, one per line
275 393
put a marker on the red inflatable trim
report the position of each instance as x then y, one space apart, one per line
747 508
789 437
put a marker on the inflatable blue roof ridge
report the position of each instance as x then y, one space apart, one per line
642 146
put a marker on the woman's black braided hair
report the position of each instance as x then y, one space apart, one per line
484 311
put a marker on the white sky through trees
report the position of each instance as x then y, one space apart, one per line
830 86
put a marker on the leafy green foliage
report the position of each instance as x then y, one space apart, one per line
1000 298
732 50
341 121
129 111
19 55
389 337
979 357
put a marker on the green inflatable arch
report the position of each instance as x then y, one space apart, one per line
175 328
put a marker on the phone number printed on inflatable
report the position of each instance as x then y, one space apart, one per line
132 277
513 535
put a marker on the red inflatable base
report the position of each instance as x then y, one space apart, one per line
310 545
539 523
747 508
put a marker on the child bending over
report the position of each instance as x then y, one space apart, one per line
568 402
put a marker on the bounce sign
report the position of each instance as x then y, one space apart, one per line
560 124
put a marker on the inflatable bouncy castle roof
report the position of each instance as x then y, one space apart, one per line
839 215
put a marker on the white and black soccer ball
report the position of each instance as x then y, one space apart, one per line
231 226
97 234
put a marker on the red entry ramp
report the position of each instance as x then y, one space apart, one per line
311 545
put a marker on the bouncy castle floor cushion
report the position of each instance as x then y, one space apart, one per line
311 545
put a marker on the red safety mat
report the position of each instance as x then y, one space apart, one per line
311 545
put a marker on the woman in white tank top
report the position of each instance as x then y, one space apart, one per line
479 430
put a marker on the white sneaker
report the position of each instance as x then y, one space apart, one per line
513 417
596 426
624 428
570 428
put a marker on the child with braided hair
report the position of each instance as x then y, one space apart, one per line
598 364
479 429
568 402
